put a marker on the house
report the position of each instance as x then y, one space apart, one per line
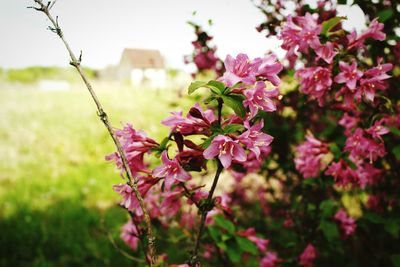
142 67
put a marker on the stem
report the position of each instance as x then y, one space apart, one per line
209 205
132 181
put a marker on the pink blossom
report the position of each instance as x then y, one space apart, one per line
342 173
135 144
129 200
308 256
301 32
270 260
254 139
309 154
367 174
349 74
347 224
130 235
259 98
361 147
250 234
226 149
205 60
377 130
375 80
171 170
315 81
197 121
240 69
172 202
326 52
374 31
268 68
348 123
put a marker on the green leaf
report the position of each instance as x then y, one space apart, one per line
246 245
208 141
195 85
217 86
393 228
395 130
163 144
214 233
209 99
235 102
384 15
342 2
396 152
373 217
395 260
330 23
327 208
234 253
231 128
330 230
335 150
225 224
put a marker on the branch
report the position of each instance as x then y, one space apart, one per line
132 181
204 209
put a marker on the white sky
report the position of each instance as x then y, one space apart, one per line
102 29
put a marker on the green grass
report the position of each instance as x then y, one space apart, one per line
56 198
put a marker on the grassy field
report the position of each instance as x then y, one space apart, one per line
56 198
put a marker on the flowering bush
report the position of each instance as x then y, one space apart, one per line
292 202
312 202
310 170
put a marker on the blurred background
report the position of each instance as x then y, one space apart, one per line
57 206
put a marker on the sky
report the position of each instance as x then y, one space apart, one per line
102 29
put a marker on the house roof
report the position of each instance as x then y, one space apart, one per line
142 58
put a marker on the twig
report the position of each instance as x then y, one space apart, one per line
123 252
132 181
209 205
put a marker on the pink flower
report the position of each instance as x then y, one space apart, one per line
269 68
250 234
374 31
197 121
361 147
377 130
240 69
309 155
270 260
326 52
135 144
226 149
315 81
172 202
342 173
374 80
303 35
347 224
171 170
205 60
254 139
259 98
130 235
348 123
349 74
129 200
308 256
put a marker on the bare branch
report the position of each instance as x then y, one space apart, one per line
132 181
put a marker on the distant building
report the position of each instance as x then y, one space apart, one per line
143 67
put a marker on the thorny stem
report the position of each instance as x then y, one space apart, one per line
209 204
132 181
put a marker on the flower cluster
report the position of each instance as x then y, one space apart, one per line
230 134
